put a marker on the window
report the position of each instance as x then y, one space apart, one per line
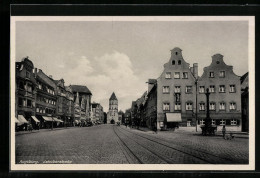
176 53
168 75
211 74
166 89
232 106
177 97
232 88
29 103
20 102
27 74
201 122
211 88
176 74
213 122
212 106
177 89
188 89
37 109
173 62
185 75
40 110
202 106
233 122
222 74
222 88
177 107
40 86
222 122
222 106
43 111
166 106
189 106
179 62
21 85
201 89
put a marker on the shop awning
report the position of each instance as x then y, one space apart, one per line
56 119
22 119
173 117
35 119
47 118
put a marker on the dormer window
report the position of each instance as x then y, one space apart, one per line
179 62
173 62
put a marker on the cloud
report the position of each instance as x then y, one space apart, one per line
111 72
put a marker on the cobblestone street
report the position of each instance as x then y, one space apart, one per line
108 144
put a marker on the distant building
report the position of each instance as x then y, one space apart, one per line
70 100
245 102
176 92
127 116
97 113
82 102
120 116
112 116
25 92
225 95
150 105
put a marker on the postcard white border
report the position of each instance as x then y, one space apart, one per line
127 167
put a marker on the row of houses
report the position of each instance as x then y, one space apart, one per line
45 102
177 97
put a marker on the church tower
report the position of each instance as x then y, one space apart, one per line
112 116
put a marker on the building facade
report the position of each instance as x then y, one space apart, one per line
97 113
112 116
46 99
82 103
245 102
70 102
225 95
176 92
150 105
25 92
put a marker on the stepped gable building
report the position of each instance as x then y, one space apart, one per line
176 92
112 116
25 92
225 95
46 99
82 100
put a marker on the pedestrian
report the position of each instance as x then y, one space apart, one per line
224 131
155 128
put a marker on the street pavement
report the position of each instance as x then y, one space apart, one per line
111 144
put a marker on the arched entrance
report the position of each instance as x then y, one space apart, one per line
112 121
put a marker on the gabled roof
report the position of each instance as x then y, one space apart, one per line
80 89
243 77
113 97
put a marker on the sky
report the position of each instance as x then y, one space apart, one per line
120 56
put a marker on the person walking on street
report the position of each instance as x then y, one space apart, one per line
155 128
224 131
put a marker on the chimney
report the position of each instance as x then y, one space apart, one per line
35 70
50 76
195 70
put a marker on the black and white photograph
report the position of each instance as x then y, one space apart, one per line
132 93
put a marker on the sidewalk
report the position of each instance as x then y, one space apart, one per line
193 132
41 130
